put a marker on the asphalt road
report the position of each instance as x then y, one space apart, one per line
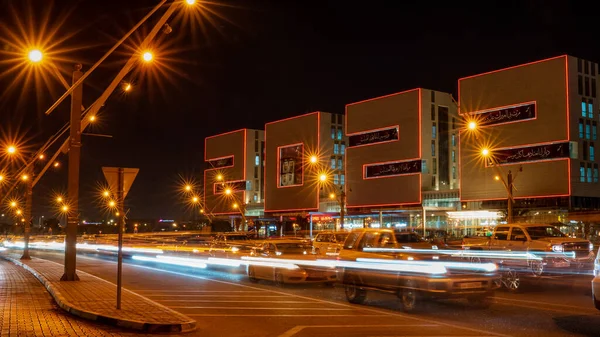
225 303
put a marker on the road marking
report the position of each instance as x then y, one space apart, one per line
277 315
355 307
233 301
291 332
280 296
549 309
434 336
541 303
202 291
262 308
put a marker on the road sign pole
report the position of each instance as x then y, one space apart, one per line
121 218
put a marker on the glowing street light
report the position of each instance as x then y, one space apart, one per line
485 152
323 177
1 177
195 199
59 199
11 149
331 195
111 203
147 56
65 208
188 187
92 119
235 205
127 87
219 177
35 56
106 194
117 213
57 164
497 178
19 212
228 191
190 2
314 159
472 125
202 211
24 177
13 204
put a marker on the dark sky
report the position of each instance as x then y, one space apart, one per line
254 62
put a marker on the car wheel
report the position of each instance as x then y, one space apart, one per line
279 279
536 267
511 280
252 274
354 294
409 296
480 301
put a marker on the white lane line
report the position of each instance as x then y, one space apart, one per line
295 330
236 296
277 315
232 301
433 336
199 291
542 303
263 308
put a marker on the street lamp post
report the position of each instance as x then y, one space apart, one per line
27 216
341 199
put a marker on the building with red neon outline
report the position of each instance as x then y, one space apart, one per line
425 121
564 91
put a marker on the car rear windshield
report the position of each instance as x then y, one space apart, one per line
544 232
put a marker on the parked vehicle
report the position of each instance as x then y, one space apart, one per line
413 240
285 272
415 279
547 248
230 245
328 242
596 282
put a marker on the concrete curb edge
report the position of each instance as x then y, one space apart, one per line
92 316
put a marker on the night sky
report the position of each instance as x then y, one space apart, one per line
255 62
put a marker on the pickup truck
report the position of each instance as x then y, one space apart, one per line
543 248
372 259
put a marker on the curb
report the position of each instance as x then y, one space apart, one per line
109 320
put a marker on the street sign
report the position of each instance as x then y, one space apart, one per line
112 177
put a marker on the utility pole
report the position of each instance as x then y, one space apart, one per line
28 218
509 188
342 208
73 180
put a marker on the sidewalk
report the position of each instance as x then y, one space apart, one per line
94 299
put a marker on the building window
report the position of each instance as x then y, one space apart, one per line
255 172
343 149
336 179
332 118
586 67
592 154
453 172
433 148
595 173
579 61
340 134
256 160
593 69
255 197
333 161
453 140
340 117
432 96
591 109
453 123
587 86
256 185
336 148
594 87
582 173
340 164
433 181
583 108
589 174
433 131
581 128
584 153
424 166
433 112
434 166
587 129
580 85
453 156
332 132
342 179
594 131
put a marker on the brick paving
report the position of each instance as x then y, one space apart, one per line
26 309
92 296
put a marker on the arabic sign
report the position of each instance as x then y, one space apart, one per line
506 115
532 153
386 135
220 188
221 162
392 169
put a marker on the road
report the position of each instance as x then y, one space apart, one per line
225 303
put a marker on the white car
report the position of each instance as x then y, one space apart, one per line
596 282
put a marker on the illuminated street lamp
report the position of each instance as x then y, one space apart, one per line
228 191
1 177
11 149
111 203
147 56
19 212
13 204
188 187
56 164
485 152
106 194
313 159
472 125
190 2
92 118
219 177
59 199
65 208
42 156
497 178
35 56
25 177
323 177
235 205
332 196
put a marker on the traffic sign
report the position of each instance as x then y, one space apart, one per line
112 177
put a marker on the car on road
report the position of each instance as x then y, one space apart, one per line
280 261
413 240
231 245
596 282
371 259
543 248
328 242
